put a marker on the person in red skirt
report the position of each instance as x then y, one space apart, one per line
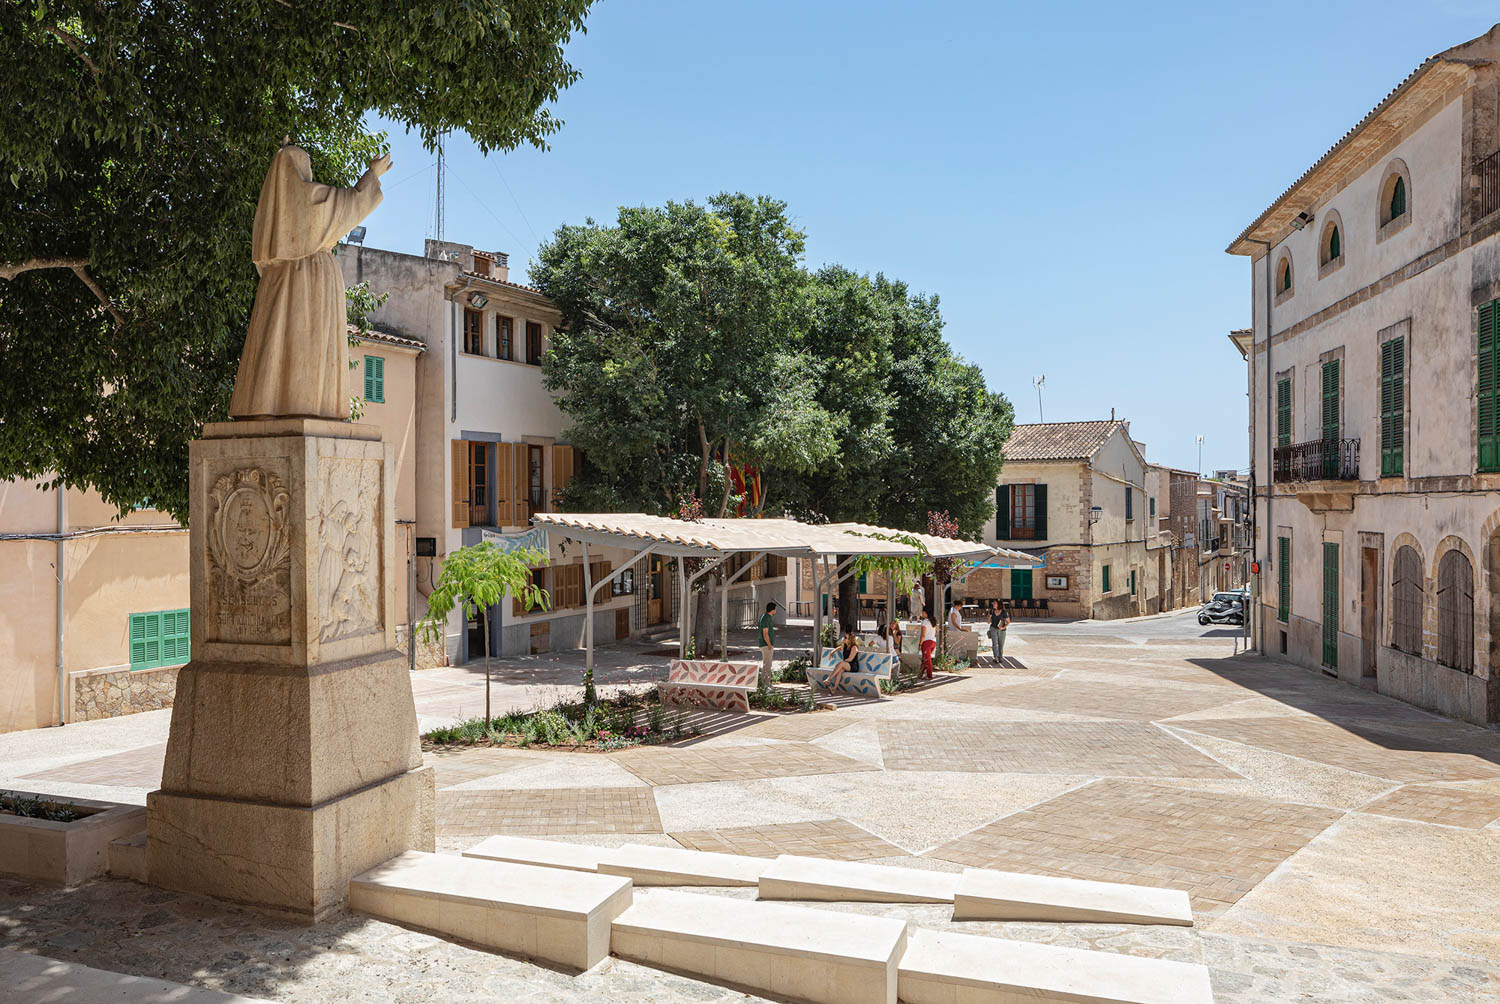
929 643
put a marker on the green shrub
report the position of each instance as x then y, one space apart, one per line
794 671
38 808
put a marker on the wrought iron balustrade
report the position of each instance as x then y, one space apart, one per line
1318 460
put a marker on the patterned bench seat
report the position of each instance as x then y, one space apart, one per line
707 683
862 680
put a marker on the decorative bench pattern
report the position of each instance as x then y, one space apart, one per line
706 683
863 680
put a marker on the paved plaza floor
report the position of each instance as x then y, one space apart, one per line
1336 845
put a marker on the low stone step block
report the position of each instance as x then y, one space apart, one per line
992 895
551 914
647 865
793 877
127 857
948 968
787 951
543 853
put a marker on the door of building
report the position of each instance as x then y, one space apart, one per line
656 585
622 624
1020 583
1369 610
1331 606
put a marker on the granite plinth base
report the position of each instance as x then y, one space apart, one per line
293 861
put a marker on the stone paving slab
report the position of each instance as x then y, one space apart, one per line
1216 846
801 726
35 978
735 763
1122 749
832 838
1381 752
453 767
541 812
137 768
1129 700
1431 804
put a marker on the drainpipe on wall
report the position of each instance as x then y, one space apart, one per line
1270 447
62 578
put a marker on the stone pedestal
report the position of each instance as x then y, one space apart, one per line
293 762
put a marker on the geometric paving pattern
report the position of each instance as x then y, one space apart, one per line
1119 749
1118 699
801 727
736 763
827 838
1448 806
451 767
137 768
1360 747
539 812
1215 846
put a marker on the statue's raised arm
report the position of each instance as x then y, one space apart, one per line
296 357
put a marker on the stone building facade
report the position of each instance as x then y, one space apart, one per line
1375 404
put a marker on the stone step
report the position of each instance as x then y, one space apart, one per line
647 865
793 877
543 913
992 895
127 857
945 968
786 951
545 853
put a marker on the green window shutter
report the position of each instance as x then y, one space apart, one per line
1153 506
138 641
1002 512
1020 583
1129 503
1106 578
1489 386
1330 605
1283 578
1284 412
1398 198
1132 582
1335 247
1392 406
1331 399
375 379
1041 512
174 637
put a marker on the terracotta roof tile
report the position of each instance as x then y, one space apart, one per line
1058 440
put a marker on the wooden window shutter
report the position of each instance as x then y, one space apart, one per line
1284 412
1331 399
521 495
460 483
1392 406
1489 386
1283 578
1330 605
562 471
1129 502
1041 512
1002 512
504 482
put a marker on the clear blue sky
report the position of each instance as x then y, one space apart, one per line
1064 178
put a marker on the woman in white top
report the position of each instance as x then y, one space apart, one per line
929 643
955 618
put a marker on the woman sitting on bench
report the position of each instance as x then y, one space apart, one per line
847 650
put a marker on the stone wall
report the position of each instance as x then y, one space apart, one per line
430 654
109 693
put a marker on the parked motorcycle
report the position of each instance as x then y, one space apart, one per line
1224 608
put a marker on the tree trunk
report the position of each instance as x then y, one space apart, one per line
848 601
706 622
485 614
724 501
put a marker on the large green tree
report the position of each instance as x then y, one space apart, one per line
133 141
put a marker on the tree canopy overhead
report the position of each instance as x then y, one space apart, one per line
134 142
694 343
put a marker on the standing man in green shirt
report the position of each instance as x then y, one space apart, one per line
767 639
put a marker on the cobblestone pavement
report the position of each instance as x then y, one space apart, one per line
1337 845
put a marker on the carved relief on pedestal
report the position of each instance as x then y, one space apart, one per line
351 599
249 558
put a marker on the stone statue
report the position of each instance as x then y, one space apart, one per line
296 357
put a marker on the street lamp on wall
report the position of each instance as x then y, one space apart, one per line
1094 514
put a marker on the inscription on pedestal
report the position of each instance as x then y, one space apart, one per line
350 597
249 558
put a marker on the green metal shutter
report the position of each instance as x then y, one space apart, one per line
1129 503
1153 505
1330 419
1132 582
1020 583
1106 578
1330 605
1283 412
138 640
1283 579
1002 512
174 637
1041 512
1489 386
375 379
1392 406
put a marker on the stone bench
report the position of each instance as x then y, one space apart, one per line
942 967
643 864
800 878
861 679
722 686
551 914
542 853
786 951
992 895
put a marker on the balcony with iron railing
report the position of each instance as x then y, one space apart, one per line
1318 460
1488 173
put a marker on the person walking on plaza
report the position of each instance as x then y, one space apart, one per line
918 600
999 623
767 640
929 643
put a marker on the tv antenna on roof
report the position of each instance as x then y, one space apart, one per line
1037 382
440 202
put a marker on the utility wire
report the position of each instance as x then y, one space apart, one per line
514 236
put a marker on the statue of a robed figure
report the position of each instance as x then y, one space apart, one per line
293 761
296 356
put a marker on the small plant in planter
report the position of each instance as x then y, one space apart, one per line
794 671
38 808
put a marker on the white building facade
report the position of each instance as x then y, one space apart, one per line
1375 420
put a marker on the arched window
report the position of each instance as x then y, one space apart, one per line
1331 245
1334 249
1397 204
1284 277
1395 200
1455 606
1406 601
